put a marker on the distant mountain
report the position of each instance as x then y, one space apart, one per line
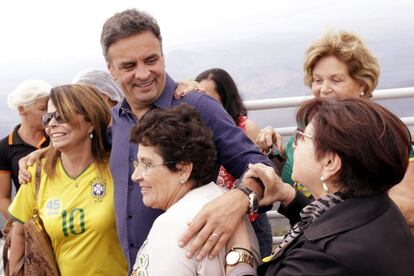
265 66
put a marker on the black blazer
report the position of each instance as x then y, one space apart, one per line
360 236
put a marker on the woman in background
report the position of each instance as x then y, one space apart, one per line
75 198
220 85
339 64
30 100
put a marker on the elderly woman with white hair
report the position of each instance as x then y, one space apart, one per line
29 99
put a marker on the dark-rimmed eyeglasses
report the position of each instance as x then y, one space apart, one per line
47 117
145 167
299 135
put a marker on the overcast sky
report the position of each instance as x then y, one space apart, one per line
43 30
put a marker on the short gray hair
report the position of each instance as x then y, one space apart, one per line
126 24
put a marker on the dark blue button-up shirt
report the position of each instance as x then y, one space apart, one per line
133 218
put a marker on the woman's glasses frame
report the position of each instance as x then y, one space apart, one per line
47 117
299 134
145 167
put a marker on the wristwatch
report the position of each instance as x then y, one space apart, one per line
253 201
239 255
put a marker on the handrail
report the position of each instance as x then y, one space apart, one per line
382 94
288 131
272 214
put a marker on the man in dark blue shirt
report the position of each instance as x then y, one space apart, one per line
132 46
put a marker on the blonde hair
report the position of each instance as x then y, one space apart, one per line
349 48
85 100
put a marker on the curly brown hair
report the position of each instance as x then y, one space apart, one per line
179 135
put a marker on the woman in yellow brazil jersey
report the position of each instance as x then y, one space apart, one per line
75 198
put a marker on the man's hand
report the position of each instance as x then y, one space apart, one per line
275 188
25 162
185 87
215 224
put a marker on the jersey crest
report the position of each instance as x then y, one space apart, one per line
98 188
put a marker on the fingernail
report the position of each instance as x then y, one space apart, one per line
199 258
210 257
180 243
189 254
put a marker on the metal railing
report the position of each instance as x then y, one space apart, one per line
384 94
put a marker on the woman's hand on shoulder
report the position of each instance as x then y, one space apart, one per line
185 87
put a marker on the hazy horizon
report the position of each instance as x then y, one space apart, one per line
261 45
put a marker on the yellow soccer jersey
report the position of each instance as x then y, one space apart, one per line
79 217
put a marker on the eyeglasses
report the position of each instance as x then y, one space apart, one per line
145 167
300 134
47 117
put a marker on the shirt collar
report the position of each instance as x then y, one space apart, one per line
15 139
164 101
122 108
166 97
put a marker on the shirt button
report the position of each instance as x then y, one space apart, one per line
129 216
131 245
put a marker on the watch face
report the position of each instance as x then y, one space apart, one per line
232 257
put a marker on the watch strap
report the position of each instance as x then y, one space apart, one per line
245 256
245 190
253 201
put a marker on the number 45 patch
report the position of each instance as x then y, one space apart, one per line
53 206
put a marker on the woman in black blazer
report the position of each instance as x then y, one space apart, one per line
349 153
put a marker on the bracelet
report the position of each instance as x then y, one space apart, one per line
243 249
